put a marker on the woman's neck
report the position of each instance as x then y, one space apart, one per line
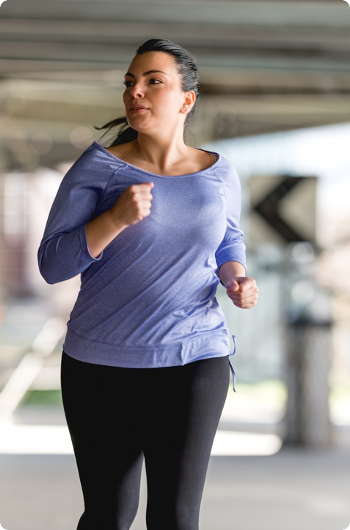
162 153
163 157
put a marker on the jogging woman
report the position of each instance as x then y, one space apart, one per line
152 226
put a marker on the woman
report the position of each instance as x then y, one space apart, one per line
152 226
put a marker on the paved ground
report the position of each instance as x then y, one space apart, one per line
292 490
288 491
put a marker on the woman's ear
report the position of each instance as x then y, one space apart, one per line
190 98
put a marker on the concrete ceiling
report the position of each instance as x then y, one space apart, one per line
264 65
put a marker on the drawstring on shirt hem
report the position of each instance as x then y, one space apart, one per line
229 360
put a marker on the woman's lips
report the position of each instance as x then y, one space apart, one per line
138 110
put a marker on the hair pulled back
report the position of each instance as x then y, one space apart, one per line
188 72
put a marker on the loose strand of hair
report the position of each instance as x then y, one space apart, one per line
125 133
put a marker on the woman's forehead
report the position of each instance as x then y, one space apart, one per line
153 60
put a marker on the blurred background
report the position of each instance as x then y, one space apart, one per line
275 79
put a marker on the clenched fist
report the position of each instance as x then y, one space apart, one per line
243 292
134 204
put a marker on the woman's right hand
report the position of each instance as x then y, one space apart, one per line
133 205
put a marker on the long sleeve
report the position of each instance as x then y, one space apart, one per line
232 247
63 252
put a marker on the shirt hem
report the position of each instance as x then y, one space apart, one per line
214 344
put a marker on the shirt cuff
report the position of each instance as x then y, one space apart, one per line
85 248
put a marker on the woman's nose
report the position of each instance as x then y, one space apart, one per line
136 90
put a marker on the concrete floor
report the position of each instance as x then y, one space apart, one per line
294 489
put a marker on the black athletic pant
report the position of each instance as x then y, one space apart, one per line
118 416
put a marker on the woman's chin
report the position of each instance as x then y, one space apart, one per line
137 124
141 128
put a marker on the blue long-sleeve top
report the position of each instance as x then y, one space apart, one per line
148 300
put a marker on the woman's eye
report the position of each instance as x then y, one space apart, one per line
152 82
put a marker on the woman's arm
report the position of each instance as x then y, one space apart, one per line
72 241
132 206
64 250
242 290
230 256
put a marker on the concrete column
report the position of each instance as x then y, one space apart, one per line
308 365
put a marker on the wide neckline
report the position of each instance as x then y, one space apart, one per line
156 174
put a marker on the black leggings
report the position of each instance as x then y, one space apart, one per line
118 416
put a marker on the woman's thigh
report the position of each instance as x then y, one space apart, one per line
184 413
102 413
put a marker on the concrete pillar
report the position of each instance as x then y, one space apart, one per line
308 364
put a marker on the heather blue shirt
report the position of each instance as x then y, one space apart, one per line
149 299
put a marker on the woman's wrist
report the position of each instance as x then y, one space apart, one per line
114 221
231 270
101 231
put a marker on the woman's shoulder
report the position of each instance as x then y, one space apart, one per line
121 150
224 169
95 160
98 153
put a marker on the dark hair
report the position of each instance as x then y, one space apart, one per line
188 71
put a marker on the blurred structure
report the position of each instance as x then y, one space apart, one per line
288 224
265 66
274 78
308 352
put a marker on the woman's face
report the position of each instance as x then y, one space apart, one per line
153 96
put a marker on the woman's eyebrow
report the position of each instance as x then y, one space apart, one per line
146 73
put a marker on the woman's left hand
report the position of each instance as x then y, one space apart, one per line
243 291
